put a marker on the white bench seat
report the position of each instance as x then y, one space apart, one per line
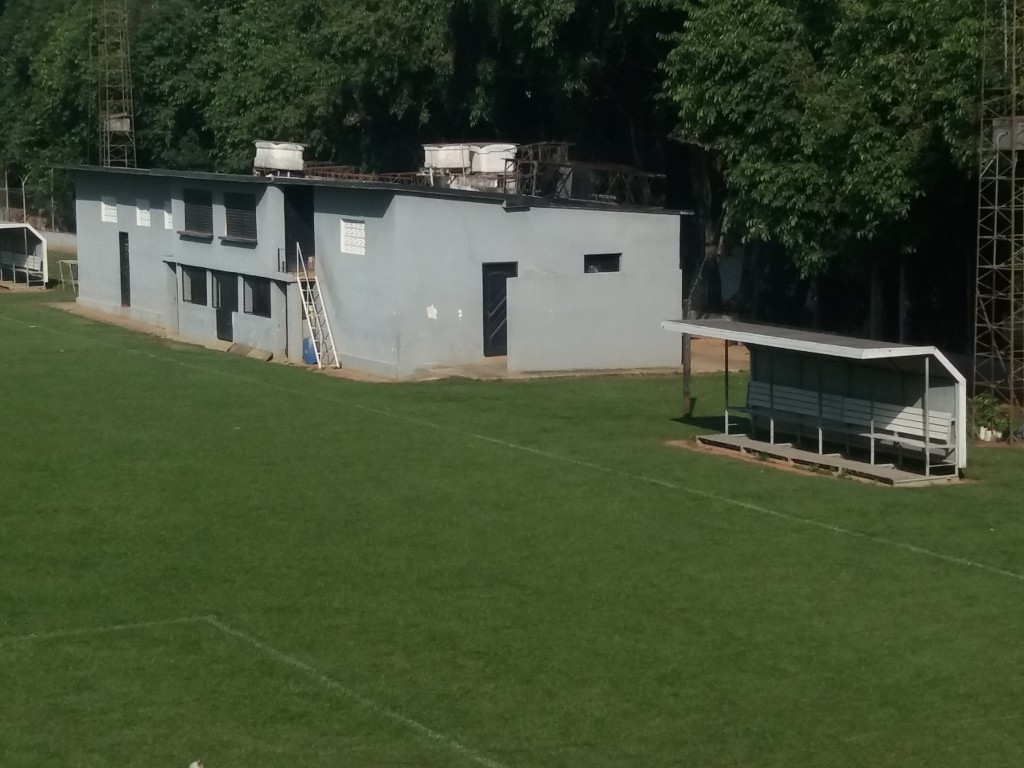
886 423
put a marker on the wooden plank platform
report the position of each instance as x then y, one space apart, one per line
885 474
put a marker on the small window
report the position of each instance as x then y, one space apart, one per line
168 217
601 262
108 210
193 285
256 297
240 217
353 237
142 217
198 212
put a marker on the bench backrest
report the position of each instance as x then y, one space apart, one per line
852 411
30 261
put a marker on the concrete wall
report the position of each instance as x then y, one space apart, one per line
62 242
99 272
157 251
593 321
414 300
359 291
444 244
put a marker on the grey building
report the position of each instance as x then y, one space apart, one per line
411 278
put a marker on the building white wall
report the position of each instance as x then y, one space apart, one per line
593 321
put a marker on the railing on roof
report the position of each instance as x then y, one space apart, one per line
537 170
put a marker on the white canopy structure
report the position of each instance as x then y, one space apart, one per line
824 379
23 254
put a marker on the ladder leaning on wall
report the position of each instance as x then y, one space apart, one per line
316 316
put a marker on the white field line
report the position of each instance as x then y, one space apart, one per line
88 631
280 656
367 704
738 503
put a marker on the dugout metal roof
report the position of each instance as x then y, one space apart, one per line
797 340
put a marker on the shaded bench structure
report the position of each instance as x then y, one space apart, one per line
893 412
22 254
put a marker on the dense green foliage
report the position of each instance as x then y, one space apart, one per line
360 82
831 116
822 130
523 567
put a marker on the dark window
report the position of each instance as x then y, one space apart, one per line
198 212
601 262
240 217
193 285
256 296
225 291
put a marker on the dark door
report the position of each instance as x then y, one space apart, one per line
126 272
225 302
298 224
496 307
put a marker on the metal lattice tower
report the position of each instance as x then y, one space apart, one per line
117 111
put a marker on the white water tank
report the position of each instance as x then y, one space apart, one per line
447 156
278 156
491 158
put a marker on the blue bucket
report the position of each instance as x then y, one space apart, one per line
308 352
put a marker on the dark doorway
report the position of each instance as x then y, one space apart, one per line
496 307
298 224
225 302
126 270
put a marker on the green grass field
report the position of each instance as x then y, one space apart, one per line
202 556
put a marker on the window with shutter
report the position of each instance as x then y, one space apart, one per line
198 212
240 217
256 297
193 285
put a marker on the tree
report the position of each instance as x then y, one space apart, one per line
830 116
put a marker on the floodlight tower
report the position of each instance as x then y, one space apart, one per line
116 108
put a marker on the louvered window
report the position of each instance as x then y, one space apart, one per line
193 285
240 217
198 212
353 236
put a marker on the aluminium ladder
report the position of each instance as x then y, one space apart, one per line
316 316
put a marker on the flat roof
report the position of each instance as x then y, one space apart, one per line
797 340
494 198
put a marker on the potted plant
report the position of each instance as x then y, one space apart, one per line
990 421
